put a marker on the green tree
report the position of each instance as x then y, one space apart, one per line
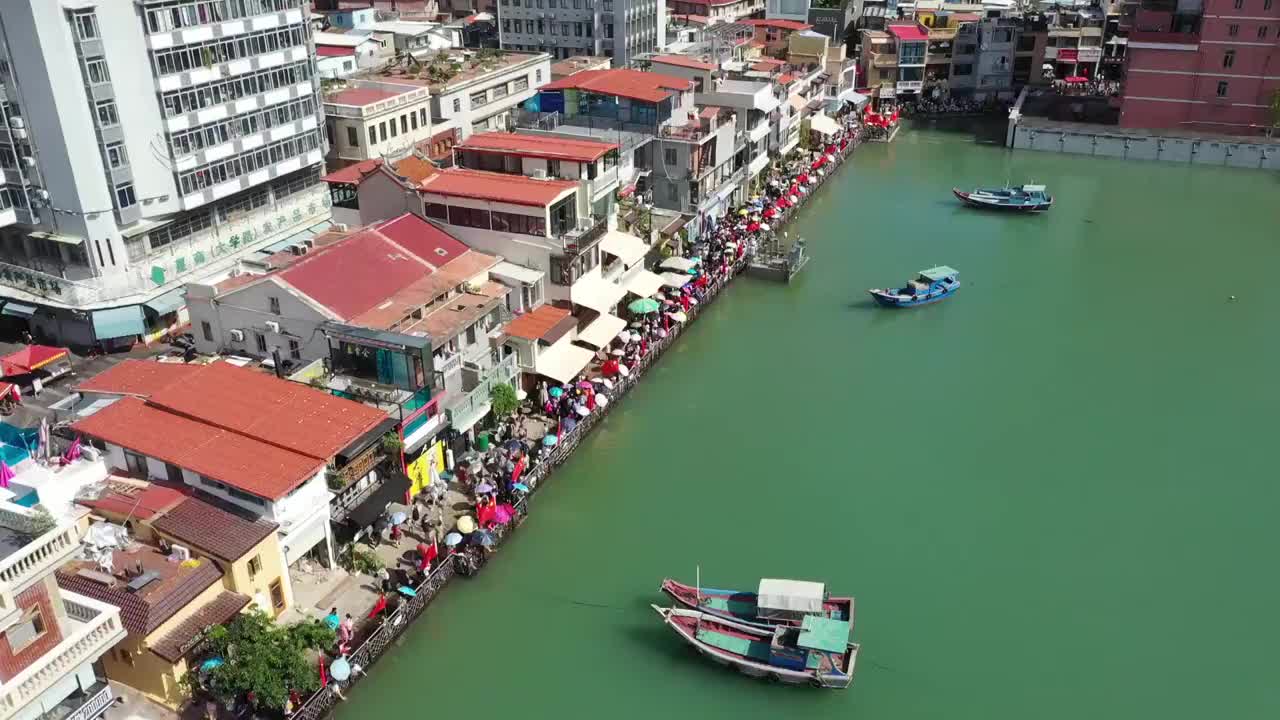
504 400
263 658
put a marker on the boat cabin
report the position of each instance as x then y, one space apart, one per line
789 599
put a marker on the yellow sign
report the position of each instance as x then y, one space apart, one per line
426 468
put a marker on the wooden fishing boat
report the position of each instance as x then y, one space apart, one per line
817 653
931 285
1022 198
777 602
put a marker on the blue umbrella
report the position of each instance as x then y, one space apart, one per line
407 591
549 440
555 392
210 664
398 518
521 487
340 670
452 539
483 488
485 539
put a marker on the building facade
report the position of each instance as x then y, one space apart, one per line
618 29
366 119
1203 65
144 144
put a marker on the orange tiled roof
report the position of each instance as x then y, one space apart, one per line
539 146
496 187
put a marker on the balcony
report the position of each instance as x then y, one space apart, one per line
39 557
90 629
1161 23
470 406
884 60
910 86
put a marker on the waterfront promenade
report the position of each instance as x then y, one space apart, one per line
374 636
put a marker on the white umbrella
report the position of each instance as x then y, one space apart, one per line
582 410
765 227
792 199
602 401
623 370
678 316
625 336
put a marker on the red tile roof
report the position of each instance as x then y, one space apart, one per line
695 19
333 50
415 169
767 64
236 460
538 146
212 530
178 641
908 32
786 79
684 61
966 17
426 241
633 84
364 96
137 377
536 324
138 500
496 187
289 415
793 25
353 174
145 609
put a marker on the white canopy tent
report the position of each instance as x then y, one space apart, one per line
602 330
563 361
596 293
644 283
793 595
624 246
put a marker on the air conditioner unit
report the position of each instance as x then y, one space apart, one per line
19 133
179 552
17 122
237 335
273 326
539 175
28 161
309 243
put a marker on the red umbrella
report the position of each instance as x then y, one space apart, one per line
753 227
379 606
804 178
769 212
795 190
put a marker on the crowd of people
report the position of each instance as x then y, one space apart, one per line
925 106
1087 87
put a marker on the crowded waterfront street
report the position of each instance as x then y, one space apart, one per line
996 478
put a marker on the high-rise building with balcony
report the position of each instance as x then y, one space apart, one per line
619 29
145 144
1203 65
52 641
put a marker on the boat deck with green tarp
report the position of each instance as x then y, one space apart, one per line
743 608
756 650
820 633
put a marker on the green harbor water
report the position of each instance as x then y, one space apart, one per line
1053 495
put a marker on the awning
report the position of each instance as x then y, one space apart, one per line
624 246
797 102
57 237
794 595
31 358
679 264
596 293
562 362
297 237
169 302
362 443
516 273
367 512
857 99
602 330
117 322
824 125
676 280
17 309
644 283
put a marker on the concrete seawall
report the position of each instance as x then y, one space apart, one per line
1106 141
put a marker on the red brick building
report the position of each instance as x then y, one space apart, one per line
1203 65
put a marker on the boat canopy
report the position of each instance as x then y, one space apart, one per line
1034 188
795 595
942 272
820 633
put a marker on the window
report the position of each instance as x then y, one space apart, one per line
457 104
274 303
206 330
295 350
135 464
86 24
124 656
173 473
669 156
373 135
1228 58
107 114
1266 4
471 335
1222 88
125 196
436 210
469 217
1233 30
1239 4
261 341
479 99
277 594
393 127
404 124
564 29
413 120
28 630
506 23
555 30
255 565
520 84
422 116
116 155
1262 31
353 137
97 69
537 75
962 69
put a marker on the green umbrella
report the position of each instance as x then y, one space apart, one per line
644 306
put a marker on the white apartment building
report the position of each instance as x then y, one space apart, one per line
366 119
619 29
480 96
50 639
145 144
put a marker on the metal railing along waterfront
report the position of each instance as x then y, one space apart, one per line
376 637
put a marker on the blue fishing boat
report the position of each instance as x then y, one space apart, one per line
932 285
1022 198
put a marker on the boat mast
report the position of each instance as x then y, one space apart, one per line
697 587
